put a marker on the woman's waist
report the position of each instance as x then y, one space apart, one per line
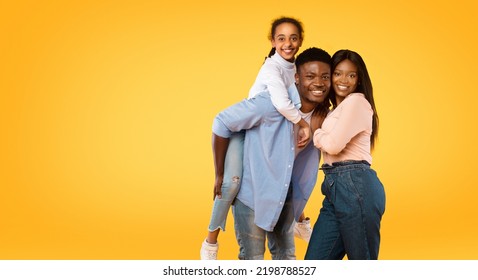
346 157
344 165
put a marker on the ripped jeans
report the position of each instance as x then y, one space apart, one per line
231 182
252 239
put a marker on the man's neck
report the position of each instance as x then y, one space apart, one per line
307 107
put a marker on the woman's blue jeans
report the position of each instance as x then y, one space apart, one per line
349 221
231 182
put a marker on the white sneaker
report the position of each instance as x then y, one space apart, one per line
209 251
303 230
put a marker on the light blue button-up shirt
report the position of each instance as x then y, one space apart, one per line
269 164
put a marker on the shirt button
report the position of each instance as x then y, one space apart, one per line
290 166
280 203
286 185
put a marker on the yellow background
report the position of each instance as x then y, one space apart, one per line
106 110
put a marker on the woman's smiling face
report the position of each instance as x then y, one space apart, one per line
344 79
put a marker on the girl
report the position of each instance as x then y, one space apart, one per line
349 221
275 76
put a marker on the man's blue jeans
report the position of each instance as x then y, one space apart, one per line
251 238
349 221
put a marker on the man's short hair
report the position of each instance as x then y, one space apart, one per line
312 54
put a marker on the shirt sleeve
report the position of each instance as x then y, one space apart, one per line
279 95
243 115
355 116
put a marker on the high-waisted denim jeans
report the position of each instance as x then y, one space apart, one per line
251 238
231 182
349 221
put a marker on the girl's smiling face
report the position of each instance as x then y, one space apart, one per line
287 41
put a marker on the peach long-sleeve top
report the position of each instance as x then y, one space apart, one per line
345 133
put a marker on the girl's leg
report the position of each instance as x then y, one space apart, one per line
230 185
230 188
212 236
302 217
302 228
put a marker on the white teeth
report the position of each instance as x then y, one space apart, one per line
342 87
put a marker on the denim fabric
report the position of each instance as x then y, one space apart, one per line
231 182
269 164
251 238
349 221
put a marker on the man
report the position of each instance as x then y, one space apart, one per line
278 177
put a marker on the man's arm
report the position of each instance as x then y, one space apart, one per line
240 116
219 149
243 115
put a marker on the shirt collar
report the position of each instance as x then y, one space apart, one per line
284 63
294 96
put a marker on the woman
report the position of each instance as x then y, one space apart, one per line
349 221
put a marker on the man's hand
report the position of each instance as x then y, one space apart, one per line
217 187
